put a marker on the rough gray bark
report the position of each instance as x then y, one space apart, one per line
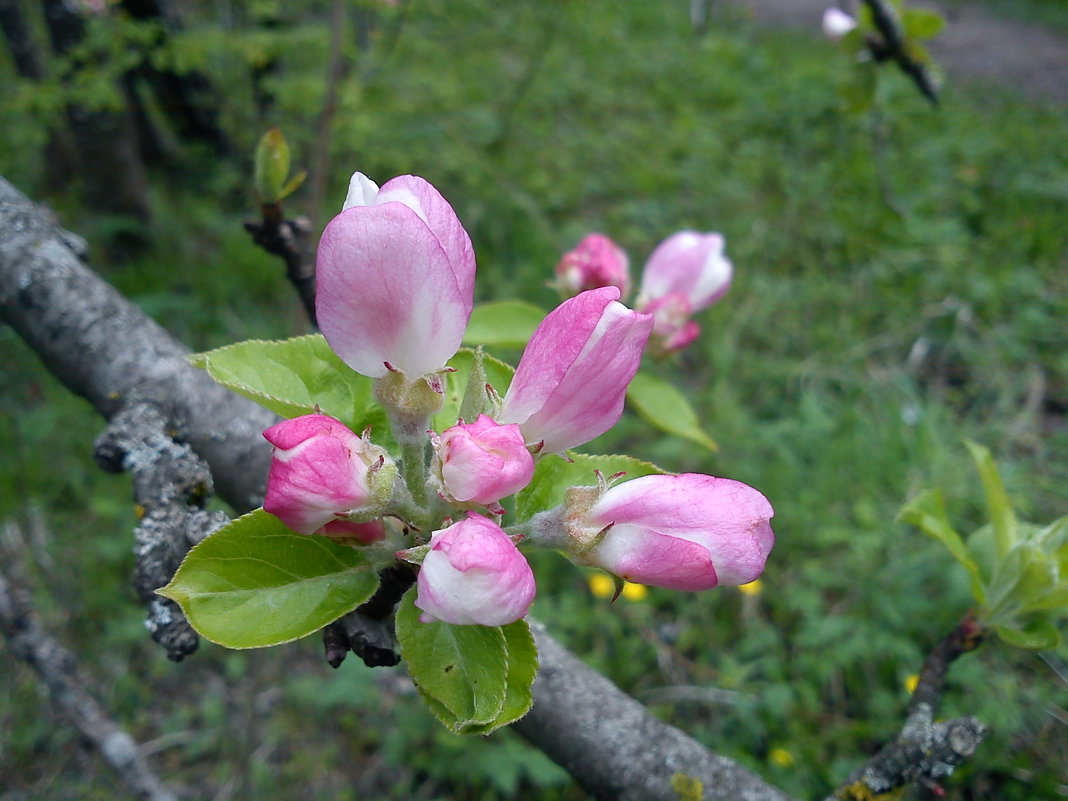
103 348
107 351
613 746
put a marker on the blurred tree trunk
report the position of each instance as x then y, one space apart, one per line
110 163
188 100
60 158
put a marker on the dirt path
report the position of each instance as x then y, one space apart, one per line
975 45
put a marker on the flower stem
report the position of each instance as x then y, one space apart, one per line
414 467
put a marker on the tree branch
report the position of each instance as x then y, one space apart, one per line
924 751
890 44
58 671
290 240
106 350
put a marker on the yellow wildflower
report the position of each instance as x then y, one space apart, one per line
781 757
602 585
634 592
911 681
754 587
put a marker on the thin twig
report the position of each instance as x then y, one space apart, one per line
924 751
890 45
58 671
290 239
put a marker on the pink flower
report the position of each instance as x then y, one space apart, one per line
573 376
395 278
837 23
320 473
483 461
685 532
686 273
474 574
595 262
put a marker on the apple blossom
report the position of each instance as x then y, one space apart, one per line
395 278
595 262
683 532
572 378
474 574
837 23
321 472
482 462
686 272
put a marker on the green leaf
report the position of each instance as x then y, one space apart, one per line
255 583
291 376
1027 580
920 23
463 668
554 474
522 668
997 500
498 374
666 408
503 324
272 166
927 512
519 697
1038 635
292 185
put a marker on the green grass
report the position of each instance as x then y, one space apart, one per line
901 285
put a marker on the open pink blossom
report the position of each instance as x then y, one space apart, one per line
395 278
686 272
474 574
684 532
572 378
595 262
483 461
320 472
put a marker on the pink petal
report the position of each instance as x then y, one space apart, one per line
387 292
421 197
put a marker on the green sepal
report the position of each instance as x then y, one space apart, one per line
503 324
255 583
554 475
662 405
497 373
291 376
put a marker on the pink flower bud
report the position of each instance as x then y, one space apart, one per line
672 326
573 376
595 262
321 472
685 532
837 23
483 461
686 273
395 278
474 574
690 264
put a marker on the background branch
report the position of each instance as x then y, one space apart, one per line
58 671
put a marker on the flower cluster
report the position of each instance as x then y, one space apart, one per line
395 287
686 273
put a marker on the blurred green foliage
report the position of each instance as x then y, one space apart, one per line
901 285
